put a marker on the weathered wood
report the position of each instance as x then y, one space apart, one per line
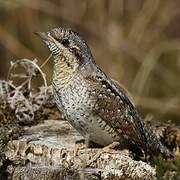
48 151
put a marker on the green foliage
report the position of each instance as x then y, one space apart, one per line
167 169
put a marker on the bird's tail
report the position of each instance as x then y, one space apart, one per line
154 145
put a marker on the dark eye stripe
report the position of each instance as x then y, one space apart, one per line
65 42
77 54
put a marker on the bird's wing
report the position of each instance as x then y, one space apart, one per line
124 90
116 109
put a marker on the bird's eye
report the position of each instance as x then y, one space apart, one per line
65 42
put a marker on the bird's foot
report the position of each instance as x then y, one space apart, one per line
78 147
81 144
111 146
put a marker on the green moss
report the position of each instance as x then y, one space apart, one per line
167 169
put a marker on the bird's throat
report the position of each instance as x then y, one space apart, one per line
63 72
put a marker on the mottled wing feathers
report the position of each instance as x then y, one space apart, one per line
124 90
117 110
133 111
114 107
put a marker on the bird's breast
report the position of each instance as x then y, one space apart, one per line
78 105
75 101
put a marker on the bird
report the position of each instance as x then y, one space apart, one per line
98 107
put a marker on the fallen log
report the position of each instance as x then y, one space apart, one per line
48 151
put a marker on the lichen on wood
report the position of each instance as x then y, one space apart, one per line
51 146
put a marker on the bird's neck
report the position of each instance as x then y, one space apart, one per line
63 73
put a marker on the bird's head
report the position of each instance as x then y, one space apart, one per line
67 46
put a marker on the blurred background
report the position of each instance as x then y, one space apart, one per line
135 42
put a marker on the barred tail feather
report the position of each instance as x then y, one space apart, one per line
154 145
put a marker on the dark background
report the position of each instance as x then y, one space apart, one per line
136 42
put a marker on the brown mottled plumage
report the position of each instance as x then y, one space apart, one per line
95 105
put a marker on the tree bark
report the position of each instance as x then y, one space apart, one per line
48 151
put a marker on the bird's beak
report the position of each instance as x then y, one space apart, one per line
54 46
46 37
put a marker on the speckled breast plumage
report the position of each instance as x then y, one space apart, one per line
78 103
